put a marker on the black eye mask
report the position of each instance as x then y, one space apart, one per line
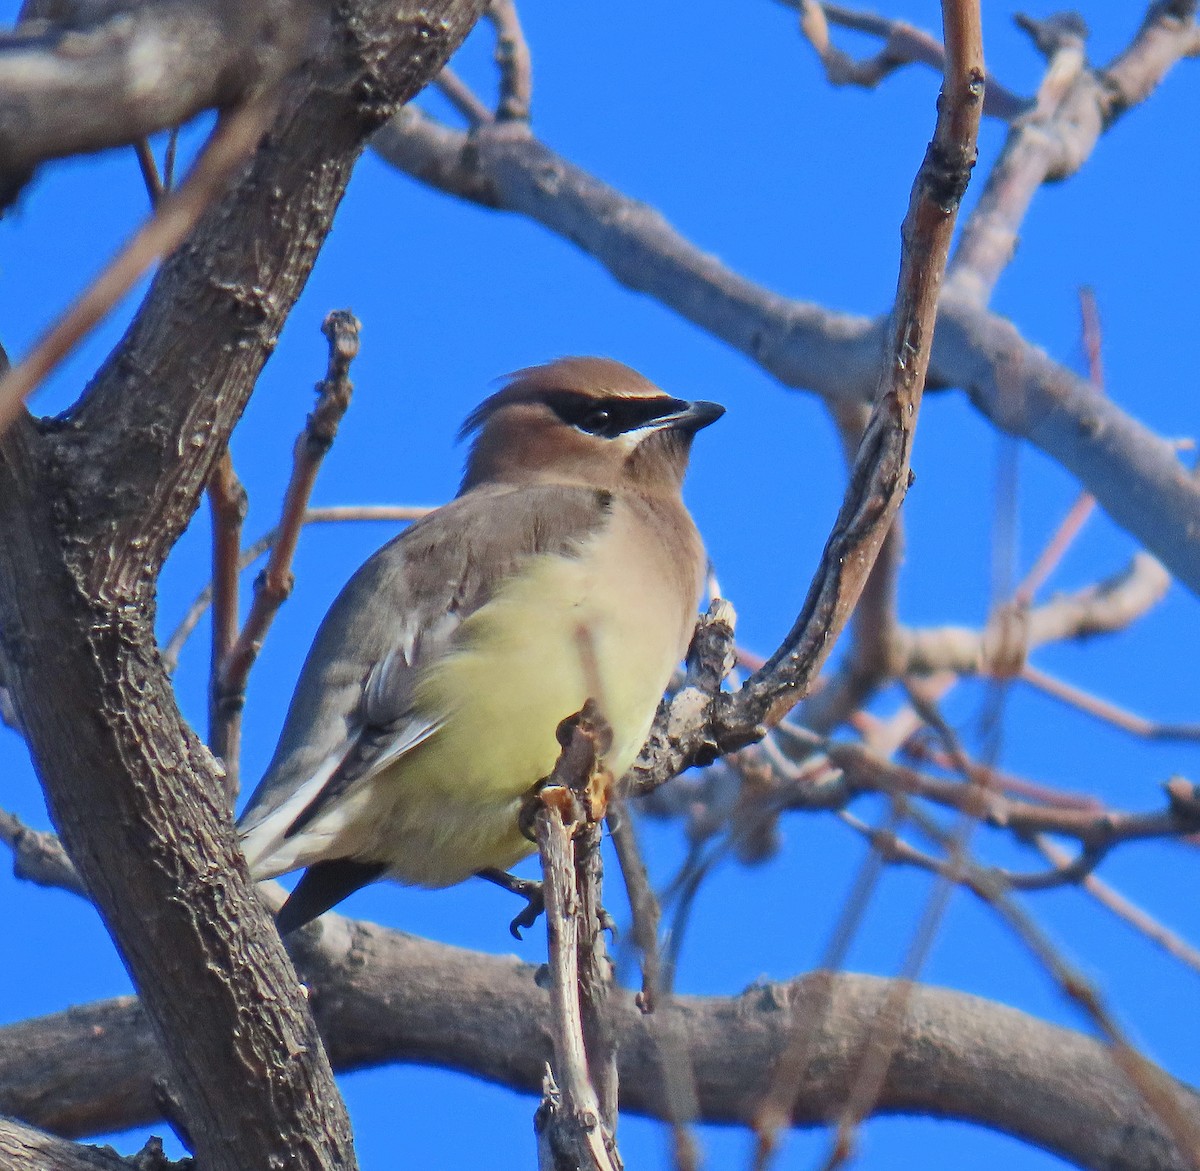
610 417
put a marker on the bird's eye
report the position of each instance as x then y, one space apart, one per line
594 422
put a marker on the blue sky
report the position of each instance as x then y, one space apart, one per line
720 117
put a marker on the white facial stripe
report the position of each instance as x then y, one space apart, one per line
630 439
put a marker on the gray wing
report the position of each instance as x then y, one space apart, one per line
352 712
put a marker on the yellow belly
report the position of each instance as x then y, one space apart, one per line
564 630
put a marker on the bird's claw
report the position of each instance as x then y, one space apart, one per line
529 889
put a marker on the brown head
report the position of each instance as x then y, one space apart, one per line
586 421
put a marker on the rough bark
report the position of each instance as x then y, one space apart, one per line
90 504
79 77
380 996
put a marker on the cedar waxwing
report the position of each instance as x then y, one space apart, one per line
428 705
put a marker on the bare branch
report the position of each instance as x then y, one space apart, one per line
1075 106
274 584
228 504
1125 908
871 658
383 996
149 169
880 476
131 70
1135 475
24 1147
1105 608
575 1124
175 216
151 828
513 60
463 98
1103 709
903 45
39 857
643 904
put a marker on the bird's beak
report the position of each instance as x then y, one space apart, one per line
692 418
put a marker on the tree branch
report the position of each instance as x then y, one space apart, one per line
1135 475
89 507
231 670
116 73
381 996
903 45
23 1147
880 476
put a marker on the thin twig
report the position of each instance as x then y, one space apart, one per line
1158 1090
903 45
643 905
678 1077
274 584
513 60
331 514
1085 503
774 1110
1015 629
1125 908
1103 709
169 155
462 97
1051 556
236 135
149 169
227 504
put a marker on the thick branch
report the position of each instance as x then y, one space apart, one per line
380 996
23 1148
132 69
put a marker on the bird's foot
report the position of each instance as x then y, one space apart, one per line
530 889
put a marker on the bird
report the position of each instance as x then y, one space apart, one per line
427 708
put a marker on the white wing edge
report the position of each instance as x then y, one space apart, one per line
270 852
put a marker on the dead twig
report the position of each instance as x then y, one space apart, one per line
513 61
903 45
236 135
574 1129
227 504
274 584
